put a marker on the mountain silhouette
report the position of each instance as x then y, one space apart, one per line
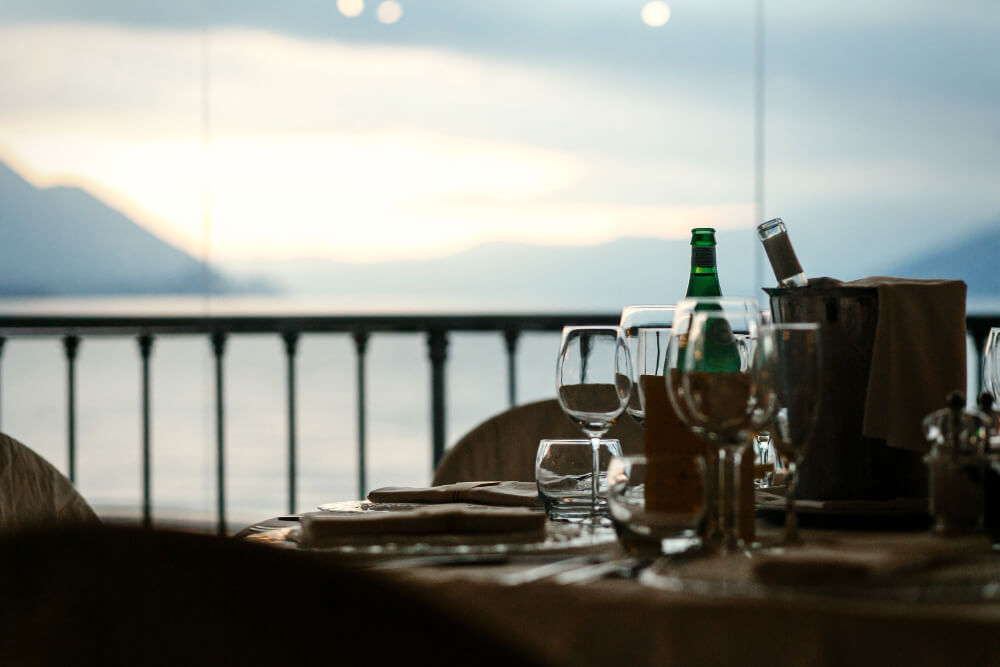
512 276
974 258
63 241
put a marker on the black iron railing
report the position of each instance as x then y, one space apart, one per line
218 329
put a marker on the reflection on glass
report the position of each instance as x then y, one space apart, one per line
991 365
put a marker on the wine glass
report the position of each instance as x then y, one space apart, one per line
633 320
794 377
724 395
594 384
673 367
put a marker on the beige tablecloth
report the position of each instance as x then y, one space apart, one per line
624 622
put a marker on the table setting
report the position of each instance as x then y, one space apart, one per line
818 456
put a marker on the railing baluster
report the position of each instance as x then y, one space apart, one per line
511 337
437 343
71 346
218 349
2 341
361 347
291 339
145 350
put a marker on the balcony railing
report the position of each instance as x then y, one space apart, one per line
217 330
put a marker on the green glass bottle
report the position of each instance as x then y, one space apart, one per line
721 350
704 280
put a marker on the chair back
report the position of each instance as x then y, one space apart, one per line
33 492
504 446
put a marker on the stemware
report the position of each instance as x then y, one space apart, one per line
721 394
633 321
794 376
594 384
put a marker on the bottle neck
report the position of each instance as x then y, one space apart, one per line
704 280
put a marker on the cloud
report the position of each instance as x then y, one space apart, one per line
349 148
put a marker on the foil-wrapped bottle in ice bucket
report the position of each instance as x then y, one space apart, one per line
957 466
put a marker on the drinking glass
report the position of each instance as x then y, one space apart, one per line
661 518
633 320
794 376
724 395
594 384
563 470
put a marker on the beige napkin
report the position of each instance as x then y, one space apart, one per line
510 494
835 564
919 355
319 528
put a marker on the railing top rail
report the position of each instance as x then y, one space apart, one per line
82 324
65 324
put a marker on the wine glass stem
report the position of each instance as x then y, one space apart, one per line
729 497
595 446
791 517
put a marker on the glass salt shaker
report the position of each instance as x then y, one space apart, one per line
957 466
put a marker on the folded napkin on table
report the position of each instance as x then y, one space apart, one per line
446 519
836 564
512 494
918 358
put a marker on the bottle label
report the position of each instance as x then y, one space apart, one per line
703 257
782 257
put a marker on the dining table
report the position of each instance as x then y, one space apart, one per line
900 596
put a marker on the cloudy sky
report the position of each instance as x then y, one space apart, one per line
304 131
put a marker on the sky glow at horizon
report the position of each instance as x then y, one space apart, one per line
318 188
352 139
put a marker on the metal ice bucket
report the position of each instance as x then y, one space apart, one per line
841 463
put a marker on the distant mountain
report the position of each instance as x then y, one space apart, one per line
63 241
974 258
516 275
